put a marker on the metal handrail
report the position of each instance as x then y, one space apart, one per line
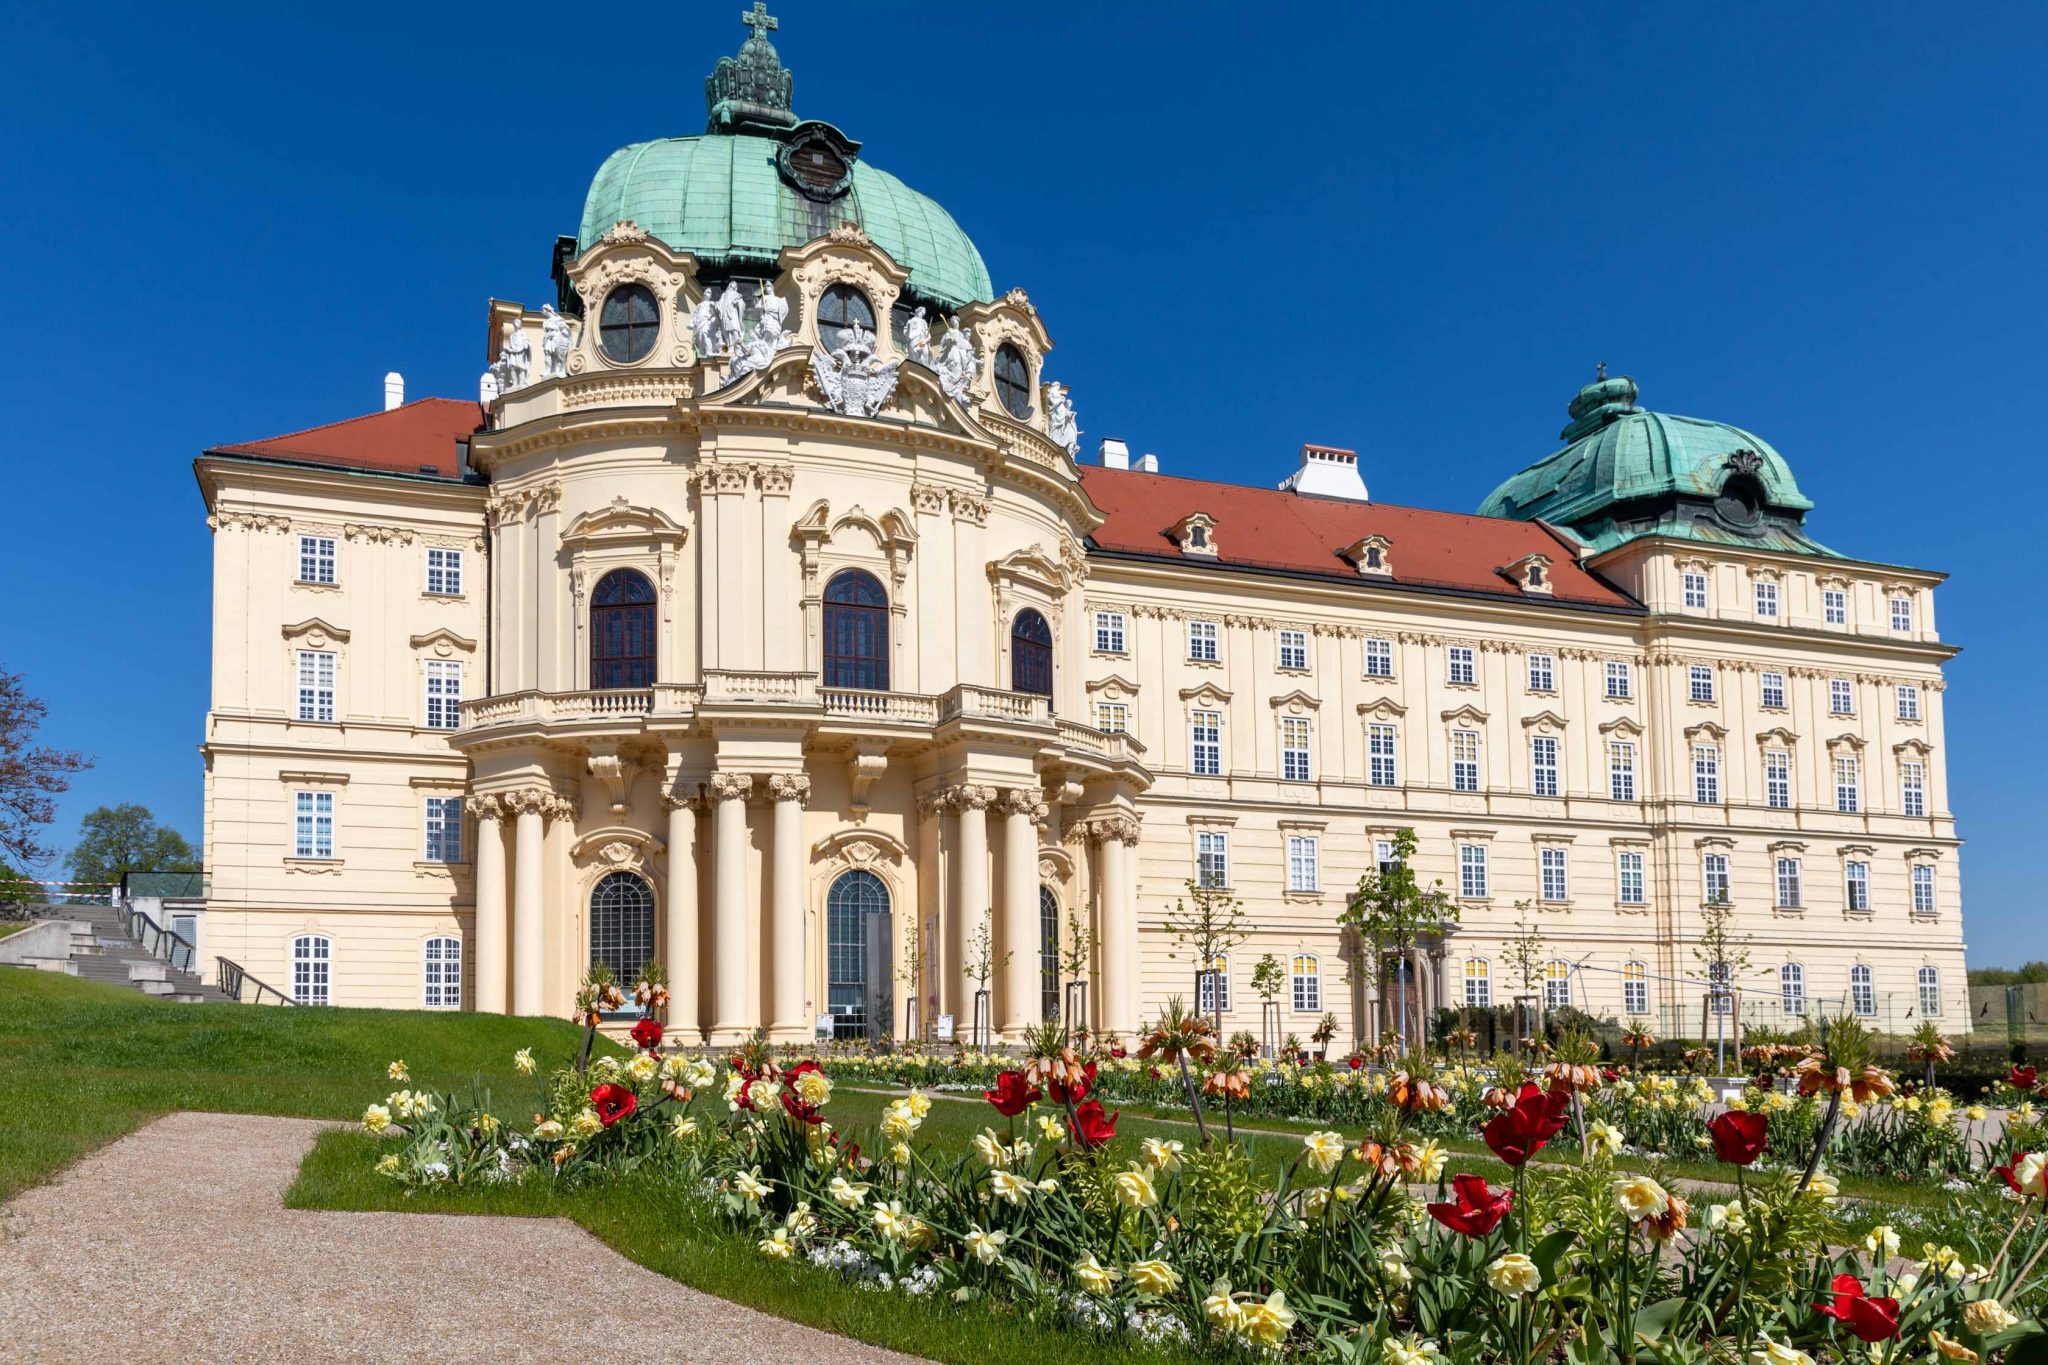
165 945
231 978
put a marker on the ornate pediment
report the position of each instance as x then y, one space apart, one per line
443 642
315 633
616 846
1467 714
1208 695
1707 728
1776 737
1386 708
1115 687
1296 701
1621 725
1033 568
1530 573
620 522
859 848
1544 722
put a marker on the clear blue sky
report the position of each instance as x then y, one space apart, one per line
1408 229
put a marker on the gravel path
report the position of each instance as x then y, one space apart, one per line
173 1245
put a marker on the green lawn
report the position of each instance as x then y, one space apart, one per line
13 926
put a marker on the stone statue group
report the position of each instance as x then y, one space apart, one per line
513 369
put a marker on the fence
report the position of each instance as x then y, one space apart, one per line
2018 1014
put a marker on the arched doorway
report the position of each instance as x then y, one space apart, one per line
1048 954
855 898
622 925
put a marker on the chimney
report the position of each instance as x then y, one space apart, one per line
1114 453
394 391
1328 472
1148 463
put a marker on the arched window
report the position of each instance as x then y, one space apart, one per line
852 899
1048 954
622 925
841 309
1013 380
856 632
1635 988
1030 654
1862 991
627 323
622 632
1306 979
312 961
1930 992
444 974
1478 983
1213 997
1792 988
1557 984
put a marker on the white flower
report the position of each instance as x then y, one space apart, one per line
1221 1310
376 1118
1409 1351
1154 1277
1823 1188
1726 1217
846 1193
991 1150
1514 1275
699 1072
776 1246
397 1072
1323 1150
1164 1156
1268 1323
1603 1139
986 1247
890 1221
747 1184
642 1068
814 1088
1134 1189
683 1127
1641 1197
1986 1317
1051 1129
547 1130
1095 1277
1770 1352
1882 1241
522 1061
1006 1186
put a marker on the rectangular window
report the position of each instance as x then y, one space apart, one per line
1719 977
1902 615
1774 691
1847 795
1913 789
1841 697
444 829
1294 749
316 684
316 559
1834 606
1777 779
1379 658
1621 771
1930 991
1792 988
1464 760
1381 769
1543 765
1696 590
1714 878
1706 774
1205 744
1109 632
1304 872
1630 872
1472 871
1635 988
1620 684
1462 669
1556 885
312 963
1308 984
1294 649
1383 856
1767 601
1478 983
444 974
1542 673
1923 889
1202 641
1113 717
1212 858
313 829
1788 884
1700 681
1213 997
1863 991
1856 882
444 572
1557 984
444 694
1909 702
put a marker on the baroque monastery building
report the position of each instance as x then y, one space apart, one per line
761 620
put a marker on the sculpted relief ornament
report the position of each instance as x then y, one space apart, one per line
852 380
1059 419
557 339
956 363
717 322
769 336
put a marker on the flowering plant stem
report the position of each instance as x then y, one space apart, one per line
1820 1141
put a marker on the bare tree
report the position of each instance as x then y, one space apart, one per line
1392 910
1207 922
31 775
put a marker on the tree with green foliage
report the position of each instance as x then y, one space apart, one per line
32 775
127 838
1206 922
1391 911
2033 973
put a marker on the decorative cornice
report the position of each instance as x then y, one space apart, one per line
248 521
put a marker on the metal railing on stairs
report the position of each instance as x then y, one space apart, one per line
165 945
232 981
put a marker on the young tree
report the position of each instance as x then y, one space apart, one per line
1206 922
1391 911
1723 955
1525 952
911 974
31 775
1267 979
127 838
1075 957
983 963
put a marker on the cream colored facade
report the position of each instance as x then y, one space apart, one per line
740 789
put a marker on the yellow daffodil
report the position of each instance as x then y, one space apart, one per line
801 1222
814 1088
920 1104
1727 1218
699 1073
1429 1160
1603 1139
1948 1348
1770 1352
990 1149
747 1184
1987 1317
900 1153
1514 1275
1221 1310
1409 1351
1051 1129
397 1072
986 1247
1154 1277
1976 1113
683 1127
1823 1188
1134 1189
586 1124
522 1061
1268 1323
547 1130
889 1220
846 1193
1324 1150
1095 1277
1163 1156
1009 1187
1882 1241
1640 1197
776 1246
376 1118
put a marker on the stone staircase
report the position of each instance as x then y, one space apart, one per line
100 949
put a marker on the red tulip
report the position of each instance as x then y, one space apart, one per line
1738 1136
1060 1089
793 1103
647 1033
1093 1128
1356 1061
2024 1077
2008 1172
612 1102
1871 1319
1012 1095
1519 1133
1477 1209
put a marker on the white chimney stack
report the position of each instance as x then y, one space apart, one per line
1148 463
394 391
1328 472
1114 453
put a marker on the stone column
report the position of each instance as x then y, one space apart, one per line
684 1009
729 993
491 931
1020 974
1119 948
973 908
786 911
528 981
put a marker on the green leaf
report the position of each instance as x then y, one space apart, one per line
1549 1249
1654 1321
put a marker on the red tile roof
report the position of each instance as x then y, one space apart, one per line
400 441
1268 528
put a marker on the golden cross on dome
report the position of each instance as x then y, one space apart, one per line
760 20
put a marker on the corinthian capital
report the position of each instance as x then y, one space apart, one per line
1122 828
731 786
1023 801
970 796
485 807
542 801
789 787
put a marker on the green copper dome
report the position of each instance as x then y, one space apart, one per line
1627 472
759 180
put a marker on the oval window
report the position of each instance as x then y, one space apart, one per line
841 310
628 322
1013 381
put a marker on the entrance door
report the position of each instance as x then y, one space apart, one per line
851 907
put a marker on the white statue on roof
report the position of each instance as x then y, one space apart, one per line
852 380
957 363
515 358
917 337
556 337
1059 419
715 322
769 336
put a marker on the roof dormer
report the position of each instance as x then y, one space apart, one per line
1530 573
1195 533
1372 555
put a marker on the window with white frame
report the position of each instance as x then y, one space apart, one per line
1841 697
1304 870
1472 871
1381 767
1777 779
1294 649
1773 688
1212 858
1556 884
1307 981
1202 641
1542 673
316 684
312 824
1113 717
316 559
1862 991
1465 760
1909 701
1379 658
1294 749
1695 590
1700 682
1788 884
1214 995
1913 788
1463 670
312 965
1109 632
1635 988
1543 765
1557 984
1923 889
1620 682
1478 983
1706 774
1383 858
444 694
1714 878
444 572
1621 770
1856 885
1629 877
1792 989
443 843
1767 600
1834 606
1930 992
1720 976
1902 615
444 974
1848 792
1205 743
